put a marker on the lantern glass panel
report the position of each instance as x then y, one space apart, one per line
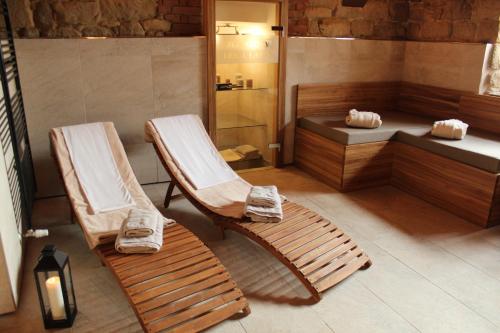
52 294
69 287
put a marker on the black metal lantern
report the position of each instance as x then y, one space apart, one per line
55 288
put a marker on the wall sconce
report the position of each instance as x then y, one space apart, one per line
354 3
55 288
227 29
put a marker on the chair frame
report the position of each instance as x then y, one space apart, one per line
321 238
183 260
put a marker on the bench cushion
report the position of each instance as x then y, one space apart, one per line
333 127
478 149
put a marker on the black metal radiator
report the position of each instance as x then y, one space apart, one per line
14 139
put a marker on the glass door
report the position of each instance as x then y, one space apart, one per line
247 45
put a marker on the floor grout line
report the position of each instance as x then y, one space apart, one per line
466 261
389 306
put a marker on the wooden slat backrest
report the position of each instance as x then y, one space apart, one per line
481 111
332 98
439 103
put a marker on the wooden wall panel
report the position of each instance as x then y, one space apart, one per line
495 208
320 157
429 101
481 111
339 98
459 188
366 165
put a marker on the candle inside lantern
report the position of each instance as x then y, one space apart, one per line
56 300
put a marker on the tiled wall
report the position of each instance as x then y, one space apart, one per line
326 60
449 65
126 81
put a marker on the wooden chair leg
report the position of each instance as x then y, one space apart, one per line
367 265
168 196
222 231
246 310
71 213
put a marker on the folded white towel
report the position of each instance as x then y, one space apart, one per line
265 196
148 244
363 119
140 223
450 129
265 214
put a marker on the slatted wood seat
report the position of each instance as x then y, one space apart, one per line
182 288
313 248
318 252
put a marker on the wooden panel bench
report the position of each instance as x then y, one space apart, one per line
466 191
461 176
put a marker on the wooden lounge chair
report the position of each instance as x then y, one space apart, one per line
314 249
181 288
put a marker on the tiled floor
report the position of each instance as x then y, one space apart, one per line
432 271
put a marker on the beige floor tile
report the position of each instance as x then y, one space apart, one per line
423 304
351 307
51 212
432 271
266 317
469 285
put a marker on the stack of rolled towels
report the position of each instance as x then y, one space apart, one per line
363 119
450 129
263 204
141 232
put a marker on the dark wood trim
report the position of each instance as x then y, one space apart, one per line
209 31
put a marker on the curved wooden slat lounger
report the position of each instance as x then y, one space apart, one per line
319 253
181 288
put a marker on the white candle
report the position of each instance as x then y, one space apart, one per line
56 300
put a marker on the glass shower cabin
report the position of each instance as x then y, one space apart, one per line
247 58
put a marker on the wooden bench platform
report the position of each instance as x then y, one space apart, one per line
465 190
182 288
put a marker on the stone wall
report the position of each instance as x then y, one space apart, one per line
426 20
454 20
105 18
378 19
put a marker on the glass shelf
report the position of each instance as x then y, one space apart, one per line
242 89
229 122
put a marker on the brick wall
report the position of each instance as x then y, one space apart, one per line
108 18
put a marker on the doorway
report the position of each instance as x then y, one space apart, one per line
248 40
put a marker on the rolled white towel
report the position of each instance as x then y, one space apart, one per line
363 119
450 129
140 223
